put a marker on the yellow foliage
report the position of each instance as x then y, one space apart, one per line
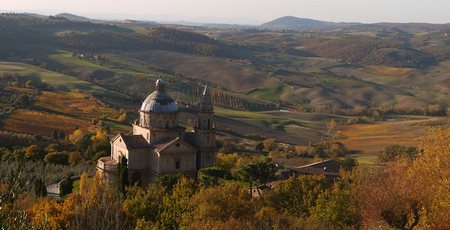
432 169
227 161
84 184
48 214
100 135
76 137
122 117
269 144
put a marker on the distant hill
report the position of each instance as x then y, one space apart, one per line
301 24
73 17
92 36
306 24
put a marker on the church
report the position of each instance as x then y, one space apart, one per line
159 145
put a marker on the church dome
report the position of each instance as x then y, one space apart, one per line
159 101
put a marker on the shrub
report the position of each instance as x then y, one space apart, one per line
65 186
57 158
393 152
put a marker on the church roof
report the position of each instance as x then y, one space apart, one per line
159 101
161 147
133 141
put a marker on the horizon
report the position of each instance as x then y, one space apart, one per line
250 12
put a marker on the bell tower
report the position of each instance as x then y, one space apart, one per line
205 132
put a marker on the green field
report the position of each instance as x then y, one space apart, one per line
57 81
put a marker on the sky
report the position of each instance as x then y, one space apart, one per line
242 11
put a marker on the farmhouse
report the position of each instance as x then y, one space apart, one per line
158 145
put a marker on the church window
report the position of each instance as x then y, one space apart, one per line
167 124
178 144
209 123
177 164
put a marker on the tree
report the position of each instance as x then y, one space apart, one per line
75 158
100 145
176 204
29 84
66 185
227 161
337 207
431 170
146 204
122 175
211 176
40 190
259 172
331 126
392 152
55 134
296 196
136 178
217 204
57 158
349 163
77 138
122 118
23 100
34 152
169 181
390 195
269 144
259 146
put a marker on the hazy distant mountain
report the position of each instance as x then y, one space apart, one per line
301 24
73 17
305 24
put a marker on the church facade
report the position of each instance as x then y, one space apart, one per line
158 145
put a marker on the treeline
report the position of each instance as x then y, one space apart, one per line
369 50
157 38
409 191
94 36
191 95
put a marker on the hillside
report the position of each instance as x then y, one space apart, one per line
301 24
349 73
306 24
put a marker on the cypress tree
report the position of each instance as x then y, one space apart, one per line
39 188
122 174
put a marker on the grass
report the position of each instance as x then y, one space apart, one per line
81 105
372 138
117 127
366 160
43 123
57 81
389 71
229 73
272 93
76 184
287 127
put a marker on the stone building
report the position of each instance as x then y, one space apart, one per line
158 145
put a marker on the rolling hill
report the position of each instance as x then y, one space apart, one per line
343 72
301 24
306 24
